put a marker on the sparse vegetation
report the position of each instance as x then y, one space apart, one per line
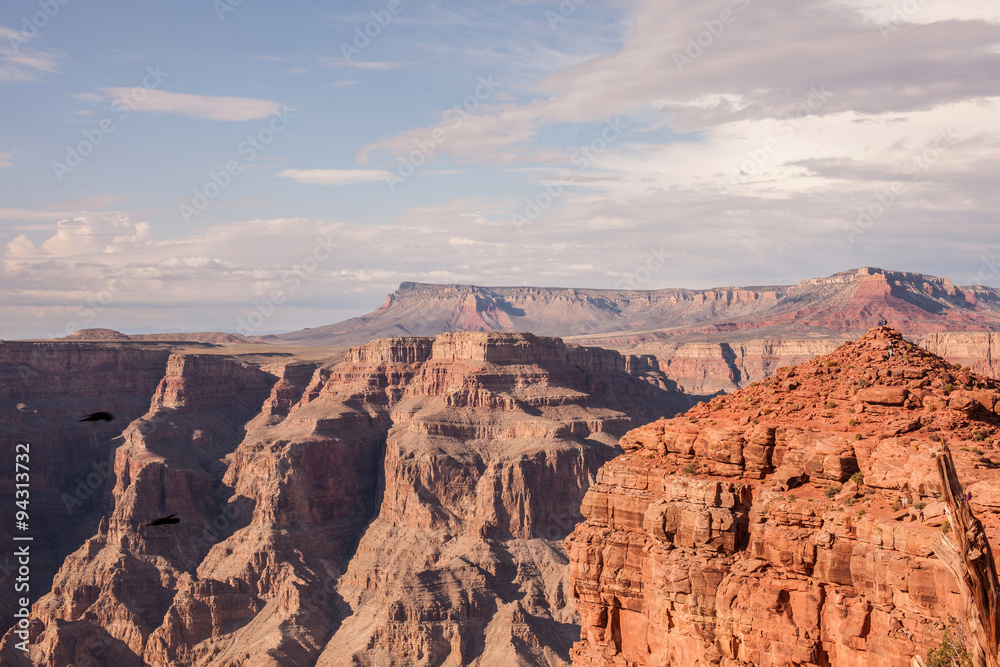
919 505
932 408
858 478
832 490
830 363
766 411
936 437
946 526
979 435
852 422
857 436
948 388
975 450
952 651
861 512
850 501
829 405
690 469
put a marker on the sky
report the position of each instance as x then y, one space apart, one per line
199 165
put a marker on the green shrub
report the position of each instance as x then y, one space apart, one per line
946 526
858 478
852 422
948 388
952 651
979 435
832 490
850 501
857 436
690 469
919 505
829 405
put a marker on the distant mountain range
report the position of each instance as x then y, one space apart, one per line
847 303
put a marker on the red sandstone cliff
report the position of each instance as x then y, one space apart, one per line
406 506
791 523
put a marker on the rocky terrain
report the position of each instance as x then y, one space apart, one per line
405 506
791 523
844 305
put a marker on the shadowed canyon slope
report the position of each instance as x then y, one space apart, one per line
843 305
792 523
405 506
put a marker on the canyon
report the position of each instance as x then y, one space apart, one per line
443 497
402 502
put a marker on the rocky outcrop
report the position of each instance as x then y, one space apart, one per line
791 523
406 506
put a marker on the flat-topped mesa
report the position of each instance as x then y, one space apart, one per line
791 523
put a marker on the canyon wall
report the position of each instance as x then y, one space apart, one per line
791 523
704 368
406 506
45 390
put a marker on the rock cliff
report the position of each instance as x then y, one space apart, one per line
844 304
45 390
791 523
405 506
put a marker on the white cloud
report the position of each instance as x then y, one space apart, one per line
192 106
22 62
6 160
334 176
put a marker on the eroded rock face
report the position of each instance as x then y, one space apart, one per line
404 507
790 523
45 390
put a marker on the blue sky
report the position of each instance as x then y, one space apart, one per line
269 157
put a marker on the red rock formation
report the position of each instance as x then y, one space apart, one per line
790 523
406 506
844 304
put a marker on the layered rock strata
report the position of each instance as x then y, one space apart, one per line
406 506
790 523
